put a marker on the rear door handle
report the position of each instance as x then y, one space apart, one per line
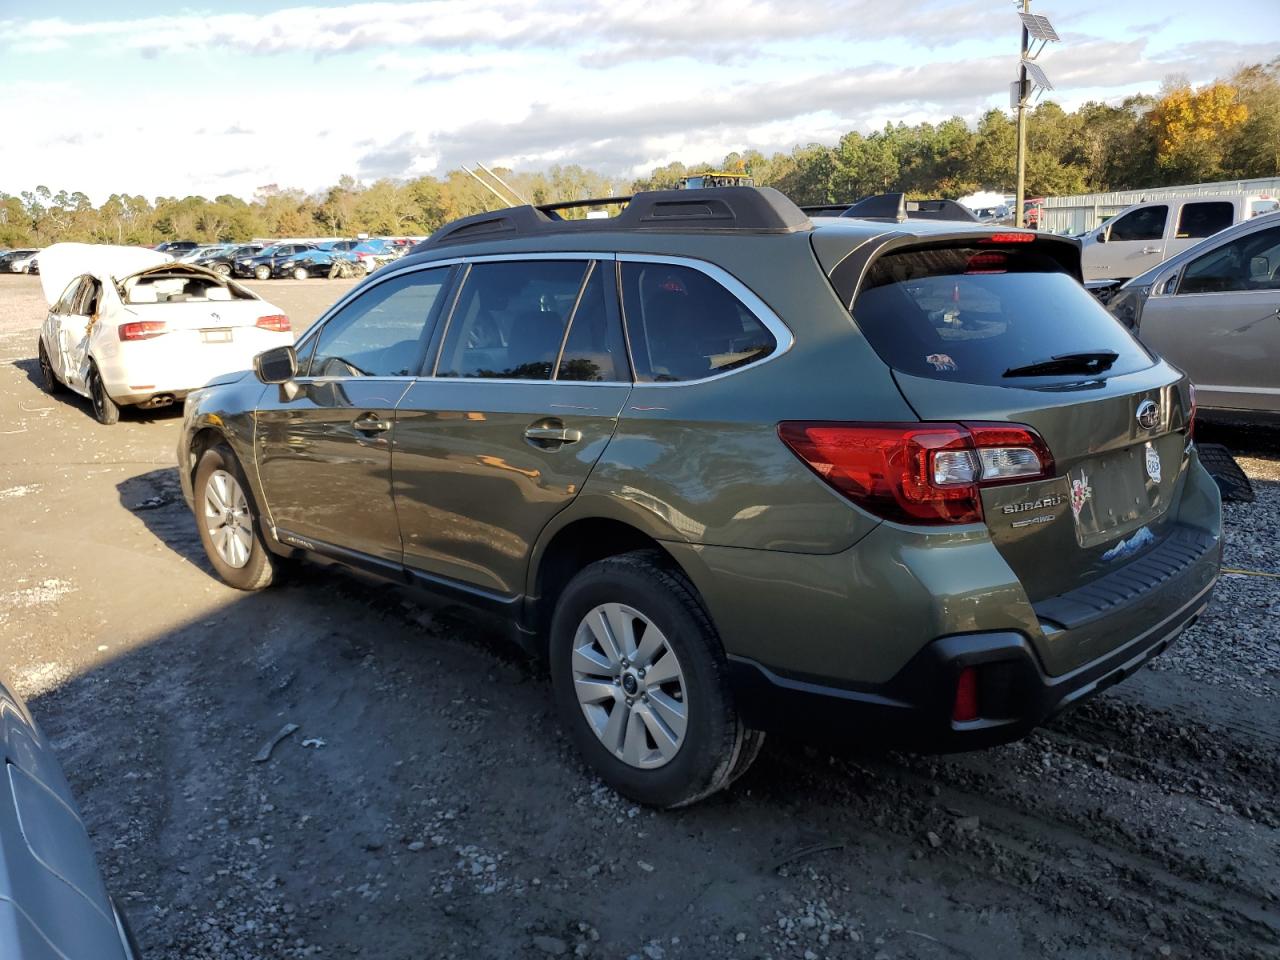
370 424
553 432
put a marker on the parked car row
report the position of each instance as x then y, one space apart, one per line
18 261
296 259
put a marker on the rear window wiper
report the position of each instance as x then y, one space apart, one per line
1086 361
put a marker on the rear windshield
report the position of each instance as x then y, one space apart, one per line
970 314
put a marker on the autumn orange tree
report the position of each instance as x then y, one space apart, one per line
1193 128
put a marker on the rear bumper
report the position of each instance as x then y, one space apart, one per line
913 709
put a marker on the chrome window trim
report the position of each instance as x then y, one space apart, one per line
782 335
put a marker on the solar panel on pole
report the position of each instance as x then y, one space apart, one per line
1038 28
1037 75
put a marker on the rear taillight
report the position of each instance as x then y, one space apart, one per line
142 329
918 473
276 322
1191 415
965 707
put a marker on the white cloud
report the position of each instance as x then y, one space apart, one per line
302 95
618 29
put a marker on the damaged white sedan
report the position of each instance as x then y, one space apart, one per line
129 326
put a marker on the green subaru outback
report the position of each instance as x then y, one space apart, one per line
731 470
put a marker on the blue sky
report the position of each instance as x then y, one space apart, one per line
226 97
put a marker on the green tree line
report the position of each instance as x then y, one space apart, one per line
1227 129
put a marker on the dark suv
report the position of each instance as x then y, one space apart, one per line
730 470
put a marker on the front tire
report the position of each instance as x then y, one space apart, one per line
262 273
222 269
300 273
640 682
48 379
105 410
227 517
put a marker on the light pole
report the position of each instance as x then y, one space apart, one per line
1030 77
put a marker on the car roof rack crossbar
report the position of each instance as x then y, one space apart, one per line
896 207
719 209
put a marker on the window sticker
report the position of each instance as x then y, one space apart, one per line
941 362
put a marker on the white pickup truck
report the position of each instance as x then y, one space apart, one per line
1146 234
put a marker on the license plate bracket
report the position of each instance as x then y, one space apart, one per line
216 335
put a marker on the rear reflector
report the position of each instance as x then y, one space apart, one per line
918 473
142 329
1009 238
277 322
966 705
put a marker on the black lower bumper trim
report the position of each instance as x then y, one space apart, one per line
913 710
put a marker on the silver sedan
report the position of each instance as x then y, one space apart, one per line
53 903
1214 311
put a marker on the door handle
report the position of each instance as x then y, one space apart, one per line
551 432
370 424
1150 249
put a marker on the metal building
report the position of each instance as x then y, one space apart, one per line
1083 212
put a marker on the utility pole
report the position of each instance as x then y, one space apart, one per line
1023 90
1031 77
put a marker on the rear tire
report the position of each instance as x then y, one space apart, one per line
105 410
228 521
48 379
604 699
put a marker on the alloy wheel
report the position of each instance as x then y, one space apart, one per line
630 685
227 518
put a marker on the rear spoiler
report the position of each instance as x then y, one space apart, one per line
846 273
897 208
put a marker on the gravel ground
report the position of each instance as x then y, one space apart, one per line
427 806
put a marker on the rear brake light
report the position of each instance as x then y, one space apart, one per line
918 473
991 261
277 323
142 329
1009 238
966 705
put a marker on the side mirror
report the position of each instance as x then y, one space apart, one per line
1259 268
277 365
1102 235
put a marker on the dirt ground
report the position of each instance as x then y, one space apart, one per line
428 807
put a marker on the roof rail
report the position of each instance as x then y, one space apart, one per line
760 210
896 207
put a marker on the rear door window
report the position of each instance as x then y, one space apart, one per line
1205 218
510 319
970 314
1145 223
683 325
594 350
